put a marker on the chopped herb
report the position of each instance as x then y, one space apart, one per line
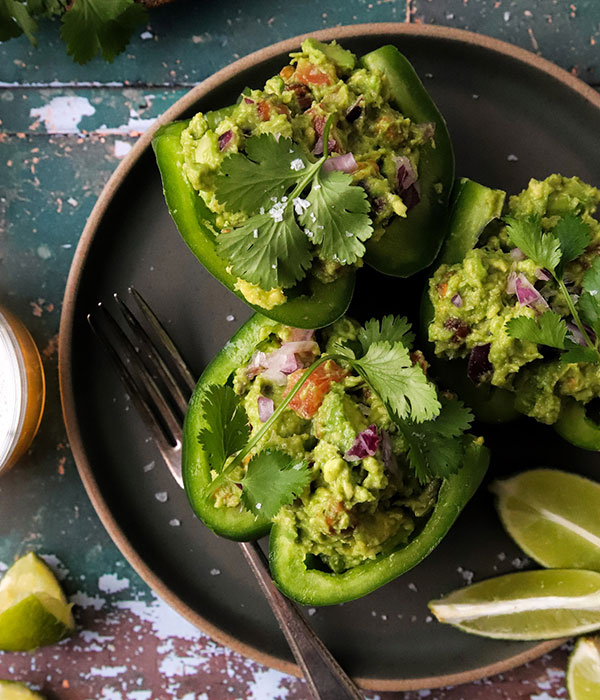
435 447
274 478
551 251
292 206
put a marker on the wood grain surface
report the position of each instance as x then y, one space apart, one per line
64 129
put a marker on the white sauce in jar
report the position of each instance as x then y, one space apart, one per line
12 399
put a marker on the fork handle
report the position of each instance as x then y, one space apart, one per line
324 676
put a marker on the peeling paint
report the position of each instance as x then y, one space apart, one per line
62 114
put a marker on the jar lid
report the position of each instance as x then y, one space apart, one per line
13 390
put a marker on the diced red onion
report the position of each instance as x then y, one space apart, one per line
285 360
257 364
517 254
542 274
510 283
332 145
265 408
300 334
411 196
387 453
303 95
428 129
457 300
408 187
365 444
575 334
528 295
224 139
345 164
479 367
405 172
354 111
248 101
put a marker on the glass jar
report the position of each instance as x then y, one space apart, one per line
22 389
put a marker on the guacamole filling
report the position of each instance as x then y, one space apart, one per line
379 145
363 499
473 301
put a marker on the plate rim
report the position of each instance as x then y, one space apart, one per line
74 281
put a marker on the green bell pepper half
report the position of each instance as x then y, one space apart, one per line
311 304
233 523
315 587
574 426
411 244
312 586
408 245
474 206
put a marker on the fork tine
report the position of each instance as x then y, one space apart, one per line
156 413
169 345
153 354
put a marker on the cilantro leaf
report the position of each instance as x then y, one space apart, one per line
269 250
336 218
549 329
574 236
434 447
273 479
90 26
589 301
394 329
270 168
401 385
542 248
16 19
578 353
46 8
227 430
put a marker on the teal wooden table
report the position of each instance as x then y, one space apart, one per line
64 128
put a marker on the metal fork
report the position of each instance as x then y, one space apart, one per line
161 397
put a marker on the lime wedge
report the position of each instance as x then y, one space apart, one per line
11 690
526 605
33 609
553 517
583 671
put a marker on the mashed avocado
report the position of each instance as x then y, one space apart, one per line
321 80
473 300
353 508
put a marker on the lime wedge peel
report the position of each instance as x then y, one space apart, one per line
583 670
528 605
553 517
33 608
13 690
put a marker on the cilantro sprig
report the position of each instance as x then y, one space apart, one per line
292 205
431 428
435 447
552 251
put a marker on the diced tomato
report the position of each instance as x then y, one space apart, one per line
286 72
307 401
264 111
309 74
442 288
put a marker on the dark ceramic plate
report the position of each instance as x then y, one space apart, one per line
512 116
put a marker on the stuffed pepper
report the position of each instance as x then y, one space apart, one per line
518 304
336 442
335 161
